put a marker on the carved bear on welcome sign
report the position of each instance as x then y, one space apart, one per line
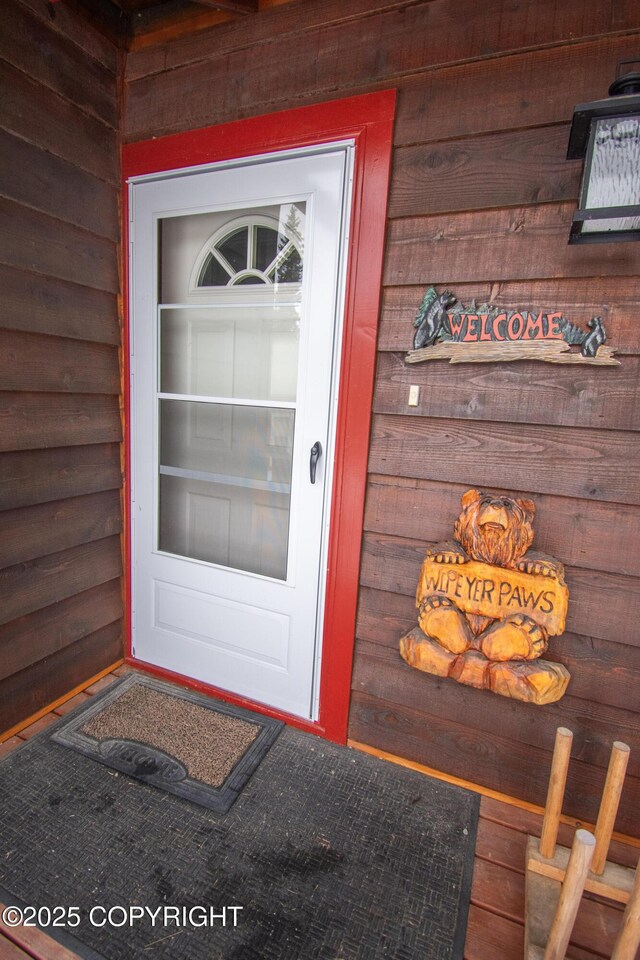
487 605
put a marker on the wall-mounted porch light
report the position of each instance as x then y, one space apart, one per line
606 134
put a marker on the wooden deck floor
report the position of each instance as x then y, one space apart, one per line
496 918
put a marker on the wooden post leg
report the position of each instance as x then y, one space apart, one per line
609 804
570 895
555 792
629 937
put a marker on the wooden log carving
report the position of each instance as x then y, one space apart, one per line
487 605
496 352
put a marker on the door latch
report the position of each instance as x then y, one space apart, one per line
316 453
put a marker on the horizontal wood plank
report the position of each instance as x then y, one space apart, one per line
29 421
489 760
381 673
31 45
64 708
602 671
499 170
490 937
34 241
384 617
150 107
498 890
429 33
38 944
59 228
145 58
595 607
47 364
35 636
34 303
357 53
506 244
499 844
522 392
28 587
332 61
29 691
41 117
9 744
325 67
85 35
31 532
10 951
40 476
502 892
501 857
531 89
587 464
517 818
593 535
615 299
604 605
57 187
391 564
38 726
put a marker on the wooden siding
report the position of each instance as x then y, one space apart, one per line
60 476
481 200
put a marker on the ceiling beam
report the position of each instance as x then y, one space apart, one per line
232 6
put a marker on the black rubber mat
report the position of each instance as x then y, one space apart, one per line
328 854
145 759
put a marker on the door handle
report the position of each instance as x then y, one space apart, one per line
316 453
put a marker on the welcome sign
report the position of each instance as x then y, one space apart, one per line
447 329
511 327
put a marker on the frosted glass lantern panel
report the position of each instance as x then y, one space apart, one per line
614 177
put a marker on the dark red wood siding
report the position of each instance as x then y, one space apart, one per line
481 201
60 476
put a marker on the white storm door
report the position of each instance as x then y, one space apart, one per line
237 274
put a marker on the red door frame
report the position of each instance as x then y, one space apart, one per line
368 120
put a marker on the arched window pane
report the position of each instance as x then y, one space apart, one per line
254 252
234 248
213 273
266 247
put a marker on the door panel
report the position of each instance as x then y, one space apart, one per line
236 317
218 625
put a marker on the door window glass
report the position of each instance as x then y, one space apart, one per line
229 329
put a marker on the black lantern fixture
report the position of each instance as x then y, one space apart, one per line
606 135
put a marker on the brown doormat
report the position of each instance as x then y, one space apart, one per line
174 739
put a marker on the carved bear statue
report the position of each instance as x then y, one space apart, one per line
487 604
